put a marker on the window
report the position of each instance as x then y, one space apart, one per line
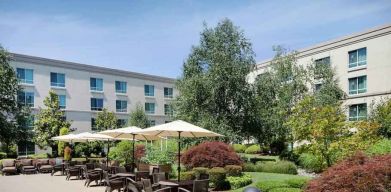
121 123
62 101
150 108
168 92
358 57
167 121
121 105
358 112
26 98
25 75
168 110
120 87
149 90
320 66
357 85
96 104
26 148
96 84
29 124
318 87
93 124
151 123
57 79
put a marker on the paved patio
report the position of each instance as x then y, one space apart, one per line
44 182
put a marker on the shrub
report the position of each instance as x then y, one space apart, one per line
311 162
200 170
67 153
239 148
382 147
233 170
154 155
122 152
241 181
3 155
248 167
61 144
297 182
253 149
210 154
285 167
286 189
257 159
39 156
217 176
266 186
140 152
188 175
357 173
290 155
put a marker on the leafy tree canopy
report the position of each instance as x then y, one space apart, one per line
138 117
106 120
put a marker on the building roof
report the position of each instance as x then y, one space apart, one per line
90 68
337 43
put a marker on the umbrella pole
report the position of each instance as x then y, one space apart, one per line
107 155
179 156
133 164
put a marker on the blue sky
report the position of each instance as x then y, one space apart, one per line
155 37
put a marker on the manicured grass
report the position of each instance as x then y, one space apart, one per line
260 176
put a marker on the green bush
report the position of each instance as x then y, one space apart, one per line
381 147
154 155
217 176
39 156
249 167
297 182
253 149
233 170
122 152
239 181
188 175
266 186
311 162
3 155
286 189
200 170
239 148
284 167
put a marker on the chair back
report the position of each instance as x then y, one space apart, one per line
203 176
90 166
153 169
159 177
120 170
8 162
201 185
142 175
147 186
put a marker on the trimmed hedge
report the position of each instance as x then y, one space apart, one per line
239 148
265 186
233 170
286 189
311 162
3 155
241 181
188 175
249 167
297 182
257 159
217 176
253 149
285 167
200 170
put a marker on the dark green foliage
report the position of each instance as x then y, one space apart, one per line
138 117
239 148
382 147
188 175
253 149
290 156
86 149
233 170
381 114
239 181
311 163
214 91
248 167
3 155
122 152
260 159
285 167
39 156
297 182
217 176
105 119
200 170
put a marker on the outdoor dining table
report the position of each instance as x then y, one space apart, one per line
187 184
126 175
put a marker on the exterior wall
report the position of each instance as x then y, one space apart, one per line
378 68
78 94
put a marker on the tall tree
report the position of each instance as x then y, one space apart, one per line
49 122
213 86
138 117
13 115
106 120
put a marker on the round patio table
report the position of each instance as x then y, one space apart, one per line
187 184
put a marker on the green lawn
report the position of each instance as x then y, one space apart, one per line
260 176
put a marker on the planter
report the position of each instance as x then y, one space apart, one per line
143 167
165 168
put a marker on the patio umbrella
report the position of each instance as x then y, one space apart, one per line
179 129
128 133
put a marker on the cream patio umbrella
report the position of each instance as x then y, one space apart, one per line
129 133
179 129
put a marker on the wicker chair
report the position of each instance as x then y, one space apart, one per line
142 175
198 186
147 186
73 172
158 177
44 166
113 183
9 167
203 176
26 166
92 175
59 166
133 186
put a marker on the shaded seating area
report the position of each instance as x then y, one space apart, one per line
9 167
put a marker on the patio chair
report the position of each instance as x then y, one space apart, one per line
203 176
44 166
133 186
147 186
113 183
73 172
120 170
198 186
130 167
26 166
90 166
158 177
9 167
92 175
58 166
142 175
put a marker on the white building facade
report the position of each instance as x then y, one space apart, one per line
362 63
84 90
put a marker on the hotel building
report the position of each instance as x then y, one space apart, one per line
84 90
362 63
